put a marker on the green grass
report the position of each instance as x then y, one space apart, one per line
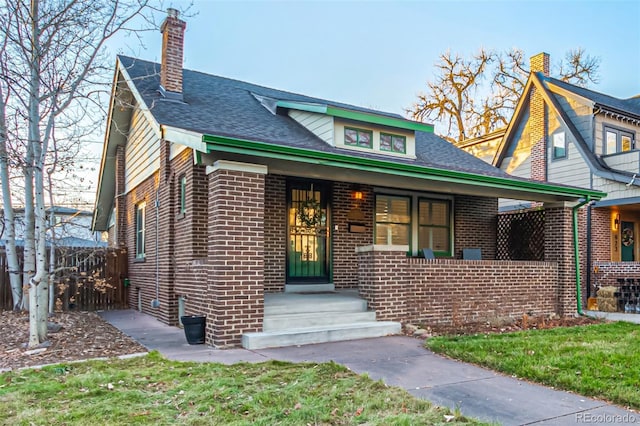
600 360
153 390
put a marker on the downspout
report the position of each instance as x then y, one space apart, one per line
589 250
576 252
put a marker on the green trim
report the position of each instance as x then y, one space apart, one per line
358 132
391 145
357 115
449 227
267 150
576 252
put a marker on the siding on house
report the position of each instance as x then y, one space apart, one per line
614 189
571 170
518 159
601 121
579 113
628 161
320 125
142 153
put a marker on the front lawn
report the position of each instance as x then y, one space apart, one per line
600 360
153 390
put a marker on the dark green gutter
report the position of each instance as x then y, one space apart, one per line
350 114
266 150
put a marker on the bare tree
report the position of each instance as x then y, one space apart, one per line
450 97
53 57
475 96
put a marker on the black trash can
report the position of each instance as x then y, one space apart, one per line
194 328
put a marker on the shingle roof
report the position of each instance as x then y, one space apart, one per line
225 107
630 105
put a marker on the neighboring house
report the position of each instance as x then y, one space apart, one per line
230 196
71 228
567 134
484 147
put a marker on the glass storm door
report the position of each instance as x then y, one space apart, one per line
628 242
308 232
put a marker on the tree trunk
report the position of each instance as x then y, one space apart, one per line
9 220
38 283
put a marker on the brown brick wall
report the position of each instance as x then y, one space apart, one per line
275 233
345 260
601 234
142 272
609 272
539 122
475 225
190 233
120 234
236 256
172 53
559 248
451 291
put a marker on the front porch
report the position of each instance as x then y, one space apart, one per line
293 230
305 318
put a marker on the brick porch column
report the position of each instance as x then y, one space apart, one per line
558 247
235 286
382 280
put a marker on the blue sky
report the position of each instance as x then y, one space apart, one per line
380 54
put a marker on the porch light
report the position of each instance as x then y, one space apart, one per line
616 221
357 195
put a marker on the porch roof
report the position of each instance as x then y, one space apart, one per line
282 158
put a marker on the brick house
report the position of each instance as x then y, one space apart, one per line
254 206
567 134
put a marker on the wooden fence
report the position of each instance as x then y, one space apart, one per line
86 279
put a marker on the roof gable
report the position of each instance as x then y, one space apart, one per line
539 82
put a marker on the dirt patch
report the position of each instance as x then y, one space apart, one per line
499 326
82 335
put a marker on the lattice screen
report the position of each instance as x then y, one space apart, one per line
521 235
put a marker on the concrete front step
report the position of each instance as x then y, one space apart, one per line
309 335
292 303
315 319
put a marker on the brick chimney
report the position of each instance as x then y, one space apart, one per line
172 51
538 121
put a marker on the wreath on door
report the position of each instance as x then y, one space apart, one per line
310 213
627 237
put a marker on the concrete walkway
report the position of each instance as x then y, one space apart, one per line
400 361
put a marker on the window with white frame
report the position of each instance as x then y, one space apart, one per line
414 220
559 145
183 194
393 220
140 230
618 140
434 225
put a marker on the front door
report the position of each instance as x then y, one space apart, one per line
628 242
308 233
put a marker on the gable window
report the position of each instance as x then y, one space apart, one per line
183 194
559 146
358 137
140 230
434 225
617 140
393 220
393 143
